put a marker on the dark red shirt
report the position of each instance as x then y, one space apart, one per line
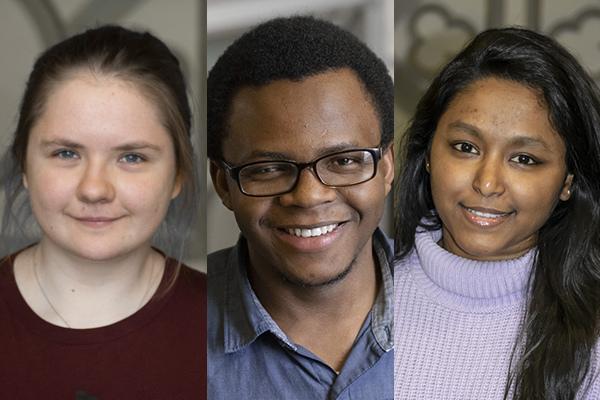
157 353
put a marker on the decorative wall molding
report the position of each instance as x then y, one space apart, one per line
435 33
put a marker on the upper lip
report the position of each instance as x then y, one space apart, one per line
487 210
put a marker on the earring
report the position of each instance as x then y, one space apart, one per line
427 166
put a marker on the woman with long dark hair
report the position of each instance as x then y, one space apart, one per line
99 176
497 280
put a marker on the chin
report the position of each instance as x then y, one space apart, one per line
98 252
314 281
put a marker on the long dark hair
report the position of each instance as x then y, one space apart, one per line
136 57
560 327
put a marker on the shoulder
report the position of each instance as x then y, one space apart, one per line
6 264
7 271
192 275
592 389
220 257
219 260
403 264
185 281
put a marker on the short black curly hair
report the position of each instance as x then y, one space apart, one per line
293 48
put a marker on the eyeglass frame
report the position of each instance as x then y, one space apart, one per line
234 171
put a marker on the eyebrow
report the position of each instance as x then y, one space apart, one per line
124 147
271 155
518 141
467 128
62 142
528 141
137 146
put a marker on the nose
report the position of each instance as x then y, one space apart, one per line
489 177
309 192
95 185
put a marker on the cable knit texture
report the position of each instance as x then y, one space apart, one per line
457 322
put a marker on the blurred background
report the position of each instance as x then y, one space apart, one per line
27 27
421 38
372 21
414 37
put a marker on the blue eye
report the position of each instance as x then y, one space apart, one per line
524 159
132 158
65 154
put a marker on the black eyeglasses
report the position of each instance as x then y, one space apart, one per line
272 178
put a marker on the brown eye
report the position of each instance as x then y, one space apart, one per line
465 147
524 159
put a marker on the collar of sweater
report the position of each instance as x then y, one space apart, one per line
476 285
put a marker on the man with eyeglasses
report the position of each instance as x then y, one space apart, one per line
300 131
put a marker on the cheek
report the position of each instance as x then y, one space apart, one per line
49 191
367 200
250 212
535 195
148 195
447 181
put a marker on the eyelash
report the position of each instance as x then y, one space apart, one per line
66 154
62 154
534 161
139 158
459 147
530 161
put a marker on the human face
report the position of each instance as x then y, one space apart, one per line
497 170
100 168
301 121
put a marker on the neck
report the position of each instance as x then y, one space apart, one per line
284 299
325 319
75 292
63 269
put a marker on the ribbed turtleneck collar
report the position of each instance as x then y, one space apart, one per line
464 283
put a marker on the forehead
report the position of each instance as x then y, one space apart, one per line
99 108
500 110
301 119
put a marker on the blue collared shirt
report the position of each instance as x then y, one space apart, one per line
250 357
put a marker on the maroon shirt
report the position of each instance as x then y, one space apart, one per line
157 353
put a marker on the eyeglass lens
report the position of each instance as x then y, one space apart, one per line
340 169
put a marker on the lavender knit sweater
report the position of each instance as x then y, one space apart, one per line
456 323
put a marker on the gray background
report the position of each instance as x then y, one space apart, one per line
416 36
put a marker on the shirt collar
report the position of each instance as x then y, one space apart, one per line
246 319
382 315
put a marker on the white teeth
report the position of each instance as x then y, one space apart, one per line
322 230
484 214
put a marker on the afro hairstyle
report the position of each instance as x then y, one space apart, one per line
293 48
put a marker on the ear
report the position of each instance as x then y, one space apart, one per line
25 183
219 179
177 186
386 165
565 193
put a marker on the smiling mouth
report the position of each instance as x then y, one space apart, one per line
483 214
311 232
97 219
96 222
486 217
